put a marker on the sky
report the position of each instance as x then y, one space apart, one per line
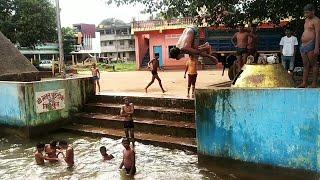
94 11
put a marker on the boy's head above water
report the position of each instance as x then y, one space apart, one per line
103 150
126 143
40 146
126 100
63 144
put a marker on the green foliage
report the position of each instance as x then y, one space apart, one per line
68 40
239 10
112 22
28 22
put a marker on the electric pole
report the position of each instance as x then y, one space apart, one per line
61 54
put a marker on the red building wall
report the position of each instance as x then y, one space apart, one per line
164 39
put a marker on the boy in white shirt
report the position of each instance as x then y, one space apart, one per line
288 46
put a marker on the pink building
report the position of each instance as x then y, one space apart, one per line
158 36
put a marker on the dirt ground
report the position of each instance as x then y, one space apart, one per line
173 81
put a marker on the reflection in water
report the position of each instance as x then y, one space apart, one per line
17 161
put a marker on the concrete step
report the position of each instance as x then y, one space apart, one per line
146 101
161 113
162 127
157 140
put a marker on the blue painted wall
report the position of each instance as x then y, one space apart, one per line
278 127
18 103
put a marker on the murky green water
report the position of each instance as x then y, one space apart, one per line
17 162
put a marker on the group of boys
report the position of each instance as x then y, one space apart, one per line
52 152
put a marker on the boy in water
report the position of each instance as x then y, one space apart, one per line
154 65
51 151
310 46
69 156
38 155
129 158
96 75
127 111
191 68
105 155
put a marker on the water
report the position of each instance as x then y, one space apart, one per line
17 162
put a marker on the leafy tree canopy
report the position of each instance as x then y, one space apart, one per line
112 22
68 40
28 22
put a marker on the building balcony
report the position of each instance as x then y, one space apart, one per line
113 37
152 25
119 48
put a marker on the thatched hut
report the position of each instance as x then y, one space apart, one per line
13 65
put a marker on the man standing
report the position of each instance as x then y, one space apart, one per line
154 65
240 41
253 42
288 46
310 46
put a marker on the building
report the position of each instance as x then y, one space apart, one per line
47 51
87 42
159 36
117 42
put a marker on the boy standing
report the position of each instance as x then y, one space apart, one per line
288 46
127 111
154 65
191 68
69 156
96 75
105 155
129 158
38 155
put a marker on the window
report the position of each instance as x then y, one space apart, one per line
110 42
109 31
121 43
131 42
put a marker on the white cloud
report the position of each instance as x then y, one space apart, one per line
94 11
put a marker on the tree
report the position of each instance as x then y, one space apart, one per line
68 40
112 22
28 22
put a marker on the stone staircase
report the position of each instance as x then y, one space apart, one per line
166 122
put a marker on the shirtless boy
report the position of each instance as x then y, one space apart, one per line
127 111
240 41
104 154
191 68
253 41
38 155
51 151
188 43
154 66
310 46
129 158
96 75
69 155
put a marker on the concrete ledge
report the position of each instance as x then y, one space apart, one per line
278 127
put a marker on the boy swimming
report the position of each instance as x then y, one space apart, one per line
38 155
105 155
69 156
129 158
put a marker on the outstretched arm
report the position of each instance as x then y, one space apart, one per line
193 51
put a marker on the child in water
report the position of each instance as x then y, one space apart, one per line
129 158
105 155
96 75
69 155
38 155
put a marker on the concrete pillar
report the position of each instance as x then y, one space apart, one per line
34 57
39 57
31 61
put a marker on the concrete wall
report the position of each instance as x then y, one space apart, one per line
278 127
18 104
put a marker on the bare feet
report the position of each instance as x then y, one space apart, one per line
192 96
303 85
164 91
188 96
